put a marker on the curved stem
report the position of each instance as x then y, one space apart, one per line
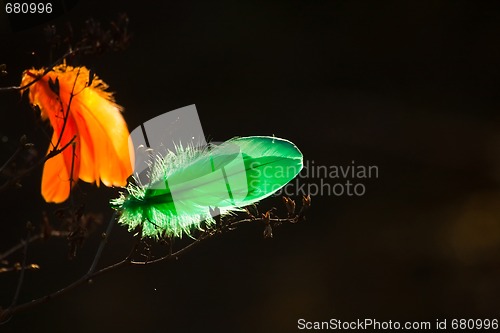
6 314
104 240
47 70
23 268
50 155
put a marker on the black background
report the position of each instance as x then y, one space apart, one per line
409 86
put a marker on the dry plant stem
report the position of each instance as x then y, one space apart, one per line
23 269
72 94
55 150
16 269
55 63
32 239
18 150
26 172
104 240
239 222
173 255
71 181
6 314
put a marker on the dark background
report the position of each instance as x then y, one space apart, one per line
409 86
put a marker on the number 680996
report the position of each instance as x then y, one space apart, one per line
28 8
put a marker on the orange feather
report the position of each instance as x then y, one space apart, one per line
100 152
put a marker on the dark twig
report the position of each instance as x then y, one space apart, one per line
273 221
18 267
55 150
138 240
72 180
32 239
174 255
26 172
6 314
14 155
66 115
23 144
104 240
29 228
46 71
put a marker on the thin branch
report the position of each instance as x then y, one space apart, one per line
46 71
66 116
209 234
136 245
172 255
26 172
32 239
23 144
14 155
18 267
29 227
55 150
104 240
72 180
274 221
6 314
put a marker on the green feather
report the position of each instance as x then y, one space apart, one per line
186 185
